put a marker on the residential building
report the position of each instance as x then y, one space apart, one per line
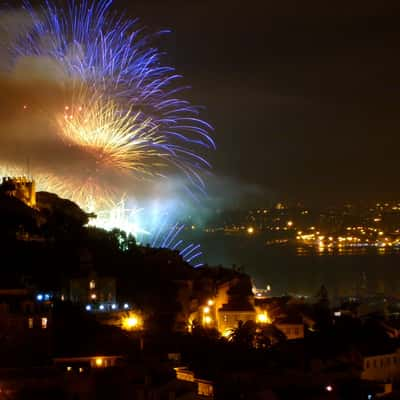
382 367
93 289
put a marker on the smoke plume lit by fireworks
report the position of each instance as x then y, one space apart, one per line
90 110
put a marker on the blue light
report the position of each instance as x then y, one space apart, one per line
101 307
88 307
114 306
369 396
47 297
39 297
126 306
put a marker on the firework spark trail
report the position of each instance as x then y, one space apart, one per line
115 139
118 216
161 235
167 238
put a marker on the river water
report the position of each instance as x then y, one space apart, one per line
291 268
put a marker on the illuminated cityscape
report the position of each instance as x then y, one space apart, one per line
347 226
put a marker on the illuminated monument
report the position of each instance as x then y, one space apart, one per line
20 187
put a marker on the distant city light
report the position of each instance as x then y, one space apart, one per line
126 306
101 307
88 307
93 296
289 223
99 361
250 230
39 297
206 310
210 302
207 319
329 388
114 306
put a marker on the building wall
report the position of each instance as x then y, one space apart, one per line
384 368
183 374
93 290
292 331
229 319
205 388
220 299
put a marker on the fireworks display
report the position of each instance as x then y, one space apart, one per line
119 118
149 227
114 140
107 55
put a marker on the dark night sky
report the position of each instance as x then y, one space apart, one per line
304 95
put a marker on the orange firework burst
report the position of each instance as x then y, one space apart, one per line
112 138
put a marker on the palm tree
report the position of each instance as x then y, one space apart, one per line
244 334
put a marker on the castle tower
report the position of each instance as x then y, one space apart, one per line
22 188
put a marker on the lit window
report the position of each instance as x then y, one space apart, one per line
99 362
44 323
69 369
30 323
92 285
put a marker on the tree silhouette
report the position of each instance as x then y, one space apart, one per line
244 334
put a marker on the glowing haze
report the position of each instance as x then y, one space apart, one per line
88 108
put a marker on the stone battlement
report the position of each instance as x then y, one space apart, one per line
21 187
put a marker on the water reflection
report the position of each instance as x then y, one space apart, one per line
344 251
